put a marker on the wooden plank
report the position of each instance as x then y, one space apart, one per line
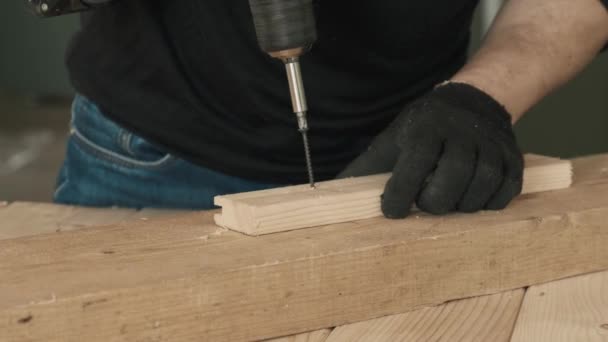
84 217
148 214
344 200
484 318
315 336
24 219
27 218
189 279
574 309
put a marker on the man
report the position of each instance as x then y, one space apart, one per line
177 102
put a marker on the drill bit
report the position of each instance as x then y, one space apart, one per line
311 176
298 100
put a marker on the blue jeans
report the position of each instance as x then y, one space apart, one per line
106 165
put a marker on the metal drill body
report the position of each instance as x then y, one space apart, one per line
285 30
296 88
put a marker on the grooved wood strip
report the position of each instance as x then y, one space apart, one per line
574 309
344 200
484 318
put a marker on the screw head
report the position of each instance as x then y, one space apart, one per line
44 7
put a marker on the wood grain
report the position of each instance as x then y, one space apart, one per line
344 200
574 309
590 169
315 336
148 214
485 318
22 219
56 218
83 217
27 218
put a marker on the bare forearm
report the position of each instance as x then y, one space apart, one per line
534 47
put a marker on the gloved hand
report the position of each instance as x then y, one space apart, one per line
451 150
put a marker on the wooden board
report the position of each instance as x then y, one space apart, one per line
345 200
189 279
315 336
89 217
148 214
573 309
485 318
27 218
21 219
590 169
54 218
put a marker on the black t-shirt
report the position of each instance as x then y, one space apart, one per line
189 75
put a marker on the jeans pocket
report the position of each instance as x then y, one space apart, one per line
100 137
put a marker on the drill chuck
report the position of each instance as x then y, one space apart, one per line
283 25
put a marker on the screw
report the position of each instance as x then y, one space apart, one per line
44 7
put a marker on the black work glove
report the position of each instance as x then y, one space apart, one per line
451 150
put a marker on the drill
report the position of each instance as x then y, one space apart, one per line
285 29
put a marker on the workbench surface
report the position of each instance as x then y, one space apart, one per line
571 309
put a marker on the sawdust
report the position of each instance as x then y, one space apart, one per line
219 231
45 301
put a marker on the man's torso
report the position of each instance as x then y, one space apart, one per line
190 76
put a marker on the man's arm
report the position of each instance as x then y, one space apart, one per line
454 149
534 47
